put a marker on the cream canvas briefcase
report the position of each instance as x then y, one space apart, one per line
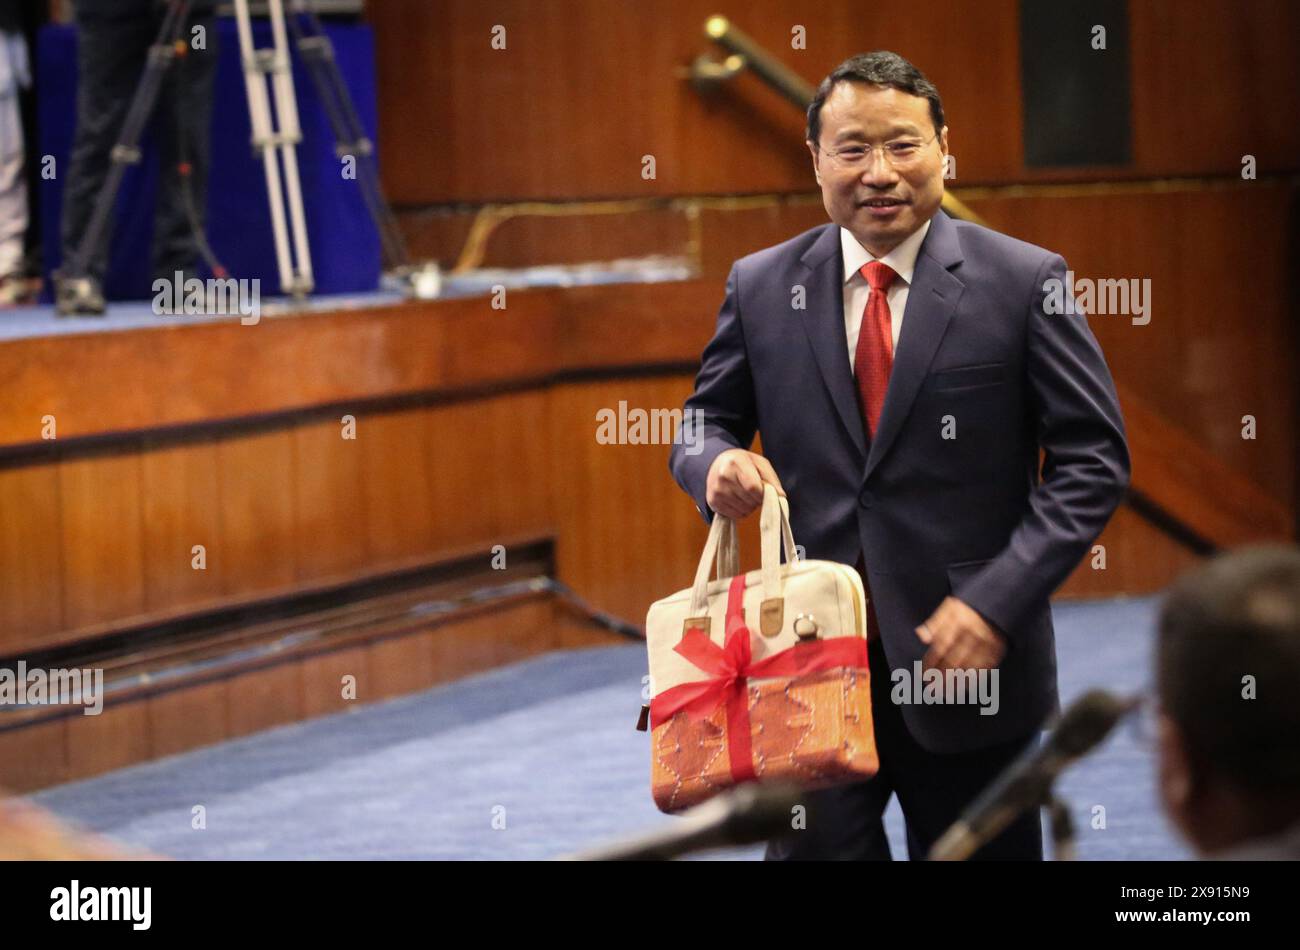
761 675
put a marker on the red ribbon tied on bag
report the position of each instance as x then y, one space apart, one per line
731 665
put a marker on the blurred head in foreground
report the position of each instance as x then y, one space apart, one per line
1228 681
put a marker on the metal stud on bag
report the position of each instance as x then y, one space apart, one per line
805 627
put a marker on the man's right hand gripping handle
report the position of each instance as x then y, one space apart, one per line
735 482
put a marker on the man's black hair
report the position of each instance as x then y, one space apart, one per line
880 68
1237 616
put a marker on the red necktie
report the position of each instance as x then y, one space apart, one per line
872 360
874 356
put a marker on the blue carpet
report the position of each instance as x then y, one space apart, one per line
533 761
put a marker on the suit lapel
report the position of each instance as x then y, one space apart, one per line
930 303
823 320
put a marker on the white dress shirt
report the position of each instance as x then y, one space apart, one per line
901 259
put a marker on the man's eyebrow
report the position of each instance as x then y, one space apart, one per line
853 132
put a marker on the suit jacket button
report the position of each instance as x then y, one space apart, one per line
865 498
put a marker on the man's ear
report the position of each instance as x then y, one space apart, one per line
816 157
943 139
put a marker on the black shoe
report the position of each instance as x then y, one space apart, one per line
18 290
78 297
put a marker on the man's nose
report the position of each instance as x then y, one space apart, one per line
878 171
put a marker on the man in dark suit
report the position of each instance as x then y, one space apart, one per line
905 372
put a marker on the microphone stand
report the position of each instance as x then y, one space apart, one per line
1062 829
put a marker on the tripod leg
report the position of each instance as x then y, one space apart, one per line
318 53
286 108
259 111
183 122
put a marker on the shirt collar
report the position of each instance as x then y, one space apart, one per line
902 259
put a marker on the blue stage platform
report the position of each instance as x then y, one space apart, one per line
344 244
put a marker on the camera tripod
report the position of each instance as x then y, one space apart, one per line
275 135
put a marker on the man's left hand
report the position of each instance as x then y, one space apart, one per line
959 639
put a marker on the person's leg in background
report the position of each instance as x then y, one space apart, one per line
184 132
113 38
14 75
34 14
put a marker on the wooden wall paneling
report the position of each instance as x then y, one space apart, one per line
401 665
627 62
462 456
491 639
189 717
117 737
262 699
728 235
612 545
102 536
485 345
34 756
566 234
1140 559
257 485
180 498
520 478
1214 349
396 484
526 629
31 551
323 681
1213 81
329 497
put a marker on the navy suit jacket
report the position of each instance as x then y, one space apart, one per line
978 358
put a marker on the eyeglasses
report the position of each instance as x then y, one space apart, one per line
899 153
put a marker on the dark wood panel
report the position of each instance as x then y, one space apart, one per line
492 639
1214 81
187 718
521 478
329 500
34 756
323 681
117 737
584 89
258 544
604 85
396 485
1138 557
180 496
31 552
299 683
400 665
1221 342
265 698
102 538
